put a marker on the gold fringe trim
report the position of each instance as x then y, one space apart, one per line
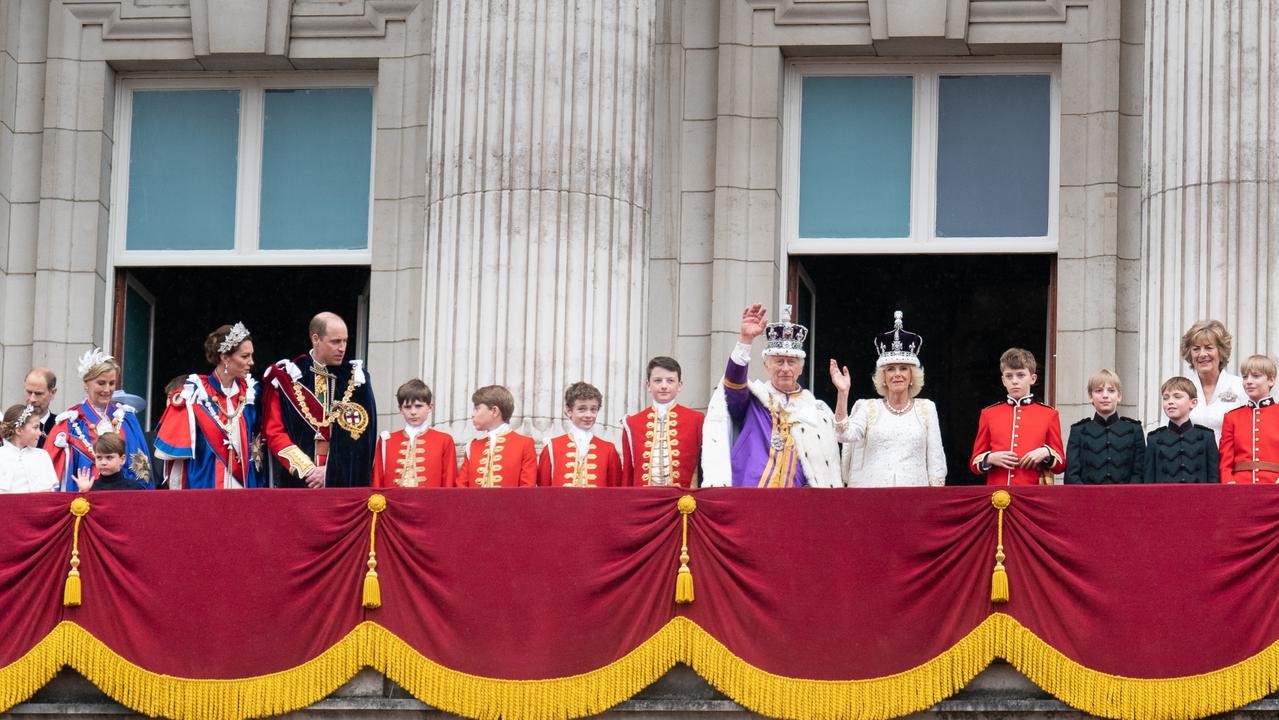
679 641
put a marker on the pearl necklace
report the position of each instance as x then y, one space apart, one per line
909 404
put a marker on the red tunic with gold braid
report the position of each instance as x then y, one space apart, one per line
662 453
1020 426
426 460
1250 444
512 462
561 464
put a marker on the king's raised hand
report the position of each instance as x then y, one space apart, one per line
753 322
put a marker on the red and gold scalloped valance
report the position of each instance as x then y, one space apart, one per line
549 603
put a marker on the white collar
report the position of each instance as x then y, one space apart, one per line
581 438
662 408
498 431
414 430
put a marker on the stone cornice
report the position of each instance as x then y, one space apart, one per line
881 14
276 22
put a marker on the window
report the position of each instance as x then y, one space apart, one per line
920 158
272 170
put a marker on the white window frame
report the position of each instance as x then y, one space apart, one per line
923 183
248 191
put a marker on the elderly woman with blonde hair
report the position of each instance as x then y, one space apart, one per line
1206 348
70 442
894 440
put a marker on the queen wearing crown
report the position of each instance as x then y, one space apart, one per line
770 433
71 439
209 433
892 441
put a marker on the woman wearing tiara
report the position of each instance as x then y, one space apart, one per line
895 440
24 467
70 443
208 435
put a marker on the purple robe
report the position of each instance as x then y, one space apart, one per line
753 430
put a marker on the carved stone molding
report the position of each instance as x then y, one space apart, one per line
918 19
915 18
239 27
348 18
248 27
134 19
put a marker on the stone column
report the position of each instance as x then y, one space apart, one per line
1210 202
537 205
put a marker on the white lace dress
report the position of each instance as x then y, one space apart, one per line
884 449
24 470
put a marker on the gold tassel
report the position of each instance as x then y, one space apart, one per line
71 592
999 581
372 589
684 579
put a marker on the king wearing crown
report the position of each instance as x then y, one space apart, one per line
770 433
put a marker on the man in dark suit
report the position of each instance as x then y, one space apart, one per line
41 387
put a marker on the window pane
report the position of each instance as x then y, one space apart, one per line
316 152
992 156
182 166
854 161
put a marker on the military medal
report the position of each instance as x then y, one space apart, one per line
351 417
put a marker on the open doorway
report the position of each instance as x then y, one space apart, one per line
968 309
163 314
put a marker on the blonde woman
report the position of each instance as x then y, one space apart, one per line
70 443
24 467
1206 348
894 441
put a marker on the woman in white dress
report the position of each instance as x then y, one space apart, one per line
1206 348
894 440
24 467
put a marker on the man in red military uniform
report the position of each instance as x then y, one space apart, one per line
1250 434
1018 440
662 444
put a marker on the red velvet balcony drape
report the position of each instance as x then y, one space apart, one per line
1123 601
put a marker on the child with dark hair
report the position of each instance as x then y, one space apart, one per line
662 444
1018 440
578 458
1181 451
108 461
502 457
415 456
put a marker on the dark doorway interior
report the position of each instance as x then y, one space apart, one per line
968 308
275 303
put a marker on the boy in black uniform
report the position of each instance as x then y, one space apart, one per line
108 459
1106 449
1181 451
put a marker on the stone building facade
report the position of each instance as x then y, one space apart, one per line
561 190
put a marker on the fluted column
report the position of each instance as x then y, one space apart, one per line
537 210
1210 202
